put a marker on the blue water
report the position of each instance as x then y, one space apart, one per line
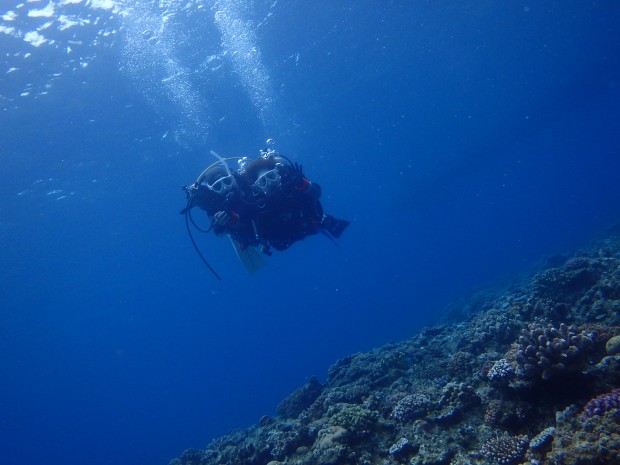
463 140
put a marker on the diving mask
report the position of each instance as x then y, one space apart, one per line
222 185
268 180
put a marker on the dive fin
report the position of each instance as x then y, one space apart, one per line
334 226
250 257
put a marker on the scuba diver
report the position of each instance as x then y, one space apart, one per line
267 203
219 195
287 207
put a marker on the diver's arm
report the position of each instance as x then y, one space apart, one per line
221 218
224 221
312 189
301 183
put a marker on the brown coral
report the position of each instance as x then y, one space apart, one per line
508 450
587 441
544 351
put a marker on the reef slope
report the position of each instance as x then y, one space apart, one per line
530 375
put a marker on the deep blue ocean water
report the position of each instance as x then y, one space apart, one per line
464 140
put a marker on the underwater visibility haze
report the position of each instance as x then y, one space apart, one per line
464 140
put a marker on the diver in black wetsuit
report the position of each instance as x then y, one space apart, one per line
220 195
218 192
287 208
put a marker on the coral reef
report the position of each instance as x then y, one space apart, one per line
506 450
583 440
545 351
301 399
540 445
526 375
409 407
602 404
501 372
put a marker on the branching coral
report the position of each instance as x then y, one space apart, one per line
546 351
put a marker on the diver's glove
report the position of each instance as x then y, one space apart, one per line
298 180
223 218
295 174
298 169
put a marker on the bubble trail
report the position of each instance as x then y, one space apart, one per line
149 56
239 42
